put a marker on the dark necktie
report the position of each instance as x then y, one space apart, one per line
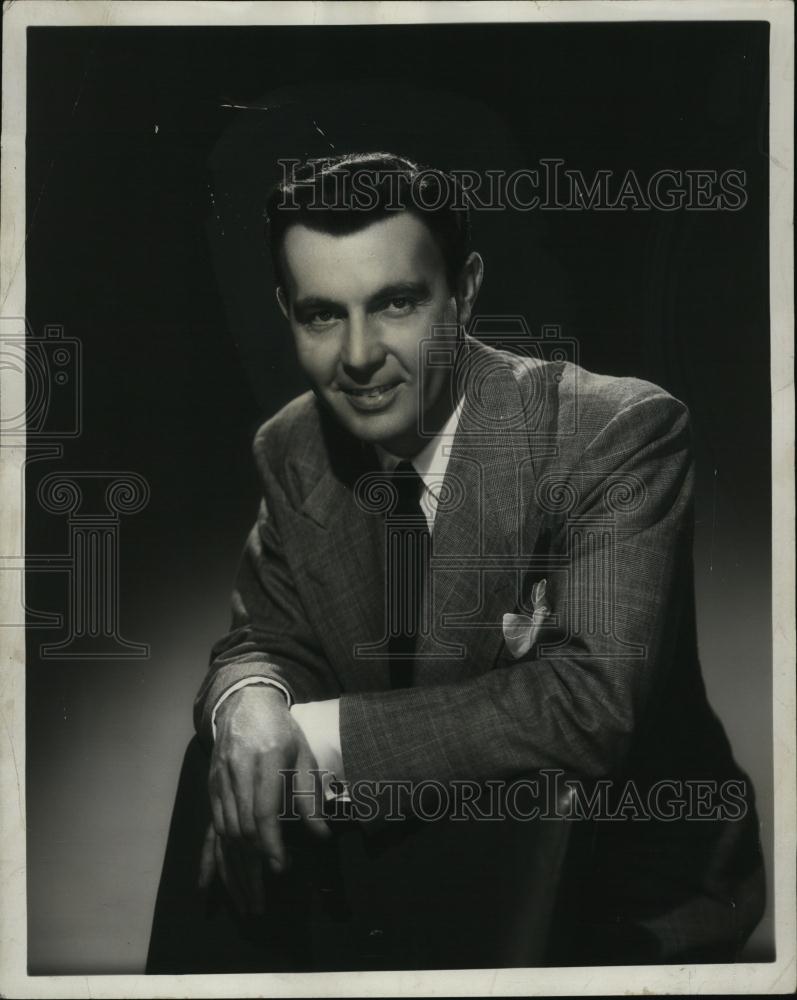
407 558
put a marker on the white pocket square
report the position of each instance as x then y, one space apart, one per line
520 631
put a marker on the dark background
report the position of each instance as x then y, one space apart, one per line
144 243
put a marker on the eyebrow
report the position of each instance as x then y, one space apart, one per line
418 289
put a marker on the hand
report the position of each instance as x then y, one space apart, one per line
241 868
257 738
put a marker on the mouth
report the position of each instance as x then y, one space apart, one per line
371 398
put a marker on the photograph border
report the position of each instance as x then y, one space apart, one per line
775 977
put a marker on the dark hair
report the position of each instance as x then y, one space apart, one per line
343 194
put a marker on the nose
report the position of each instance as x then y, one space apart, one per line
361 352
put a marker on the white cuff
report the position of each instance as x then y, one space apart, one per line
320 723
246 682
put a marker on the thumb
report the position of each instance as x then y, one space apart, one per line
310 801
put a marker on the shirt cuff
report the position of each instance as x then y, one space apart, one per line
320 723
246 682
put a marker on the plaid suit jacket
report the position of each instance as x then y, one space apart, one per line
555 473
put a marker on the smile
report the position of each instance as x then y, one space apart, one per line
370 399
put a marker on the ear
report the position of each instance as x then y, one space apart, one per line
468 284
283 302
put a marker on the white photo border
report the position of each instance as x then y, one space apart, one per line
775 977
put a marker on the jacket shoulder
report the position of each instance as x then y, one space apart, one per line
587 401
612 394
290 438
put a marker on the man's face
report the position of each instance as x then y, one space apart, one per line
359 307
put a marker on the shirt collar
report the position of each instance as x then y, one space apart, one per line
431 461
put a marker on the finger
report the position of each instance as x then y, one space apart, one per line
232 828
207 861
242 784
268 799
310 807
312 785
216 808
228 878
272 844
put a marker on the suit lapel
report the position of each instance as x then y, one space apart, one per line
484 535
343 562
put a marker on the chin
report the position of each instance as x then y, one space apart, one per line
374 430
376 435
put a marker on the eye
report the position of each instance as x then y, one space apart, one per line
400 305
321 318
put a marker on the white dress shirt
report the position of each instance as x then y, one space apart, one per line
319 720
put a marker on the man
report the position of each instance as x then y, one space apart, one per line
469 568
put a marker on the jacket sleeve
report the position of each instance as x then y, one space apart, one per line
578 709
270 635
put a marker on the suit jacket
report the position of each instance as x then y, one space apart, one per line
559 474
